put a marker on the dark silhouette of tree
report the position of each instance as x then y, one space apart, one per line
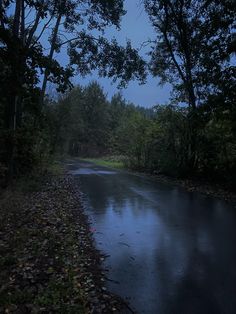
25 28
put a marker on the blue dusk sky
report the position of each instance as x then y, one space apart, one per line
136 27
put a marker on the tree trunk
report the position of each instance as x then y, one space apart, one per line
12 115
52 49
35 26
1 14
16 22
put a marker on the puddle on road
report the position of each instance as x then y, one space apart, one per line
89 171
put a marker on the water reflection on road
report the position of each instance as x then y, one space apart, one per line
170 251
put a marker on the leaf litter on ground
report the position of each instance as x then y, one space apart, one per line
48 260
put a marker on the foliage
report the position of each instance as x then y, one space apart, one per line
191 46
193 49
32 34
154 140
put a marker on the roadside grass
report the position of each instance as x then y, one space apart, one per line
108 161
34 181
56 168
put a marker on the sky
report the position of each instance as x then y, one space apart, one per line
136 27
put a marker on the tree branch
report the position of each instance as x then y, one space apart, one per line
42 31
35 26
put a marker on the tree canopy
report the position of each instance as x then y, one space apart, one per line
193 49
32 34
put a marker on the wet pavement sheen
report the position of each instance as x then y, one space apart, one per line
170 251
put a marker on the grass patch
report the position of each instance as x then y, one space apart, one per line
110 162
56 168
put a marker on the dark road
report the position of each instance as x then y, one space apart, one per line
170 251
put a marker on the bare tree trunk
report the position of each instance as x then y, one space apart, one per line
52 49
189 86
16 34
22 63
1 14
22 29
16 22
11 113
12 106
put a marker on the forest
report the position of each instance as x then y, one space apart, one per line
194 51
157 235
150 140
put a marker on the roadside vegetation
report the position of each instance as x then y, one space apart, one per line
116 162
154 140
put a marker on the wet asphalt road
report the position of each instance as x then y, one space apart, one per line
170 251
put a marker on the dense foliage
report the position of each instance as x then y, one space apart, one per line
32 34
193 49
154 140
87 124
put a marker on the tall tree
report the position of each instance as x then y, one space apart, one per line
24 29
191 52
191 45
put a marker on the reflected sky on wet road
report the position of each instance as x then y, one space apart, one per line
171 251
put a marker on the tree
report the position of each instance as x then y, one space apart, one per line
191 45
82 122
191 52
23 57
94 134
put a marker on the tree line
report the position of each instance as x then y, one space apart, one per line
155 140
193 49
